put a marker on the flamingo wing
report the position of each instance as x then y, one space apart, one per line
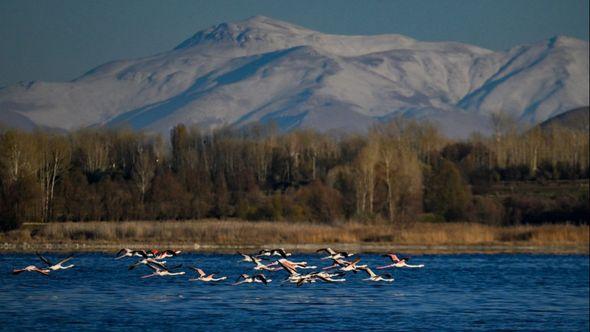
262 278
43 259
122 251
65 259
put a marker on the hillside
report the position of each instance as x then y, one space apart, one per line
576 119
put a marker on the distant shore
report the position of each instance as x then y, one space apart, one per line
232 235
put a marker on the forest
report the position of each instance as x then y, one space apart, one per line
398 172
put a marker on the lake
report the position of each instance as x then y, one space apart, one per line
452 292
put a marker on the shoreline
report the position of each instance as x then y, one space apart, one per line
228 236
514 248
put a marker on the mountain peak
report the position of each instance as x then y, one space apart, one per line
253 28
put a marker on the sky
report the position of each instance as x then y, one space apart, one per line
59 40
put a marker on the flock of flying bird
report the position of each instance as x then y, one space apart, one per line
263 261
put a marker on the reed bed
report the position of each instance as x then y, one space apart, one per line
236 233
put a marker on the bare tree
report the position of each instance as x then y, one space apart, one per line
54 157
366 163
17 155
144 168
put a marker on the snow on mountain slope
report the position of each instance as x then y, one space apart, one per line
266 70
536 82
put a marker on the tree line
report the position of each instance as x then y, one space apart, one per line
397 172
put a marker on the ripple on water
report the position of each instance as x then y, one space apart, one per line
453 292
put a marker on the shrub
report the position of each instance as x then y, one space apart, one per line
487 210
515 173
431 218
16 198
539 210
323 202
446 192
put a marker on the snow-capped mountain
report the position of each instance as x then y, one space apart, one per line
262 69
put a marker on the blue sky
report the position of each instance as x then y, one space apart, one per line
61 39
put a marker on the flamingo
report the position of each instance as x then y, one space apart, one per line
323 276
126 252
165 254
32 268
268 267
259 278
280 252
352 266
246 257
345 265
299 265
374 277
204 277
398 262
300 279
162 272
334 254
58 265
274 252
146 261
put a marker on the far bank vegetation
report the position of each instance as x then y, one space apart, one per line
231 233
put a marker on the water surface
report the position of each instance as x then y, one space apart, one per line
452 292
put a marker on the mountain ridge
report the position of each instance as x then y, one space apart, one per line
262 69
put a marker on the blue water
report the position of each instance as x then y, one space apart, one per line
452 292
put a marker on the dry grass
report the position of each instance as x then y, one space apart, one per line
236 233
